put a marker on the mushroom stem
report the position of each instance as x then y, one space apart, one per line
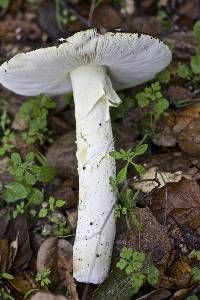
95 233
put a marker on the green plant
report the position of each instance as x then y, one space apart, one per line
163 18
164 76
125 106
152 96
127 198
27 173
5 294
192 72
193 297
4 291
119 3
32 2
4 3
195 270
128 157
35 112
19 209
63 17
59 228
8 137
43 277
138 266
125 207
52 205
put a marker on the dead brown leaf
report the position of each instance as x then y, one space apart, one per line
23 282
15 249
68 191
57 255
180 271
147 24
153 237
178 201
158 294
62 155
177 92
18 229
182 128
189 9
18 29
47 296
183 44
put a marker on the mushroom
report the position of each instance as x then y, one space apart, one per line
93 65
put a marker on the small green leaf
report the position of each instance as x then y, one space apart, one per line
54 219
156 86
193 297
161 105
30 292
121 264
7 276
196 274
36 197
152 275
30 178
43 213
142 99
16 158
116 155
164 76
51 203
137 281
2 151
141 149
198 255
4 3
15 191
183 71
60 203
129 269
196 32
126 252
195 64
139 168
121 176
30 157
35 169
47 173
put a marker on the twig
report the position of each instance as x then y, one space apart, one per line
93 5
92 8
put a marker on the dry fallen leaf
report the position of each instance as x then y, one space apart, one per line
152 239
15 249
45 296
178 201
26 30
18 229
182 127
62 155
23 282
56 254
154 178
180 271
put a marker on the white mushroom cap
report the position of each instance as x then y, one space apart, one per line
131 59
